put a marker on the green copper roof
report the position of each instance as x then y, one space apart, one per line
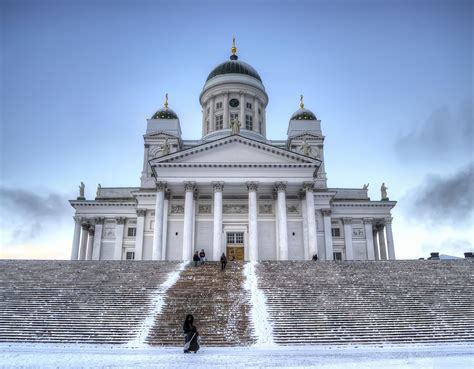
234 66
303 114
165 113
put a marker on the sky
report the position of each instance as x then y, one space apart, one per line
391 81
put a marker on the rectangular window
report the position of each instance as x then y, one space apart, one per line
249 105
234 116
130 255
219 105
219 122
259 111
131 232
336 232
248 122
235 238
152 224
337 255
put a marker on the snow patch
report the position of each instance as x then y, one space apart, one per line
157 303
258 314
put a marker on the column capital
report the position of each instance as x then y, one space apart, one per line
252 186
347 220
280 186
147 146
91 231
368 220
167 194
302 194
388 220
308 186
326 212
218 186
160 186
380 226
99 220
77 219
120 220
141 212
85 226
189 186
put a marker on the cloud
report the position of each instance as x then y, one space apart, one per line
443 134
26 214
444 200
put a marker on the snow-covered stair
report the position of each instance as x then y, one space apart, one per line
218 302
369 302
77 301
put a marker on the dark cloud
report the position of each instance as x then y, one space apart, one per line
26 214
443 134
445 200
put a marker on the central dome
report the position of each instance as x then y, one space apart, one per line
234 66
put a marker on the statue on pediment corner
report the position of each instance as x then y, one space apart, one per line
81 189
235 126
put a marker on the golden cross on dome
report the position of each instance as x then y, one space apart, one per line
166 100
301 102
234 48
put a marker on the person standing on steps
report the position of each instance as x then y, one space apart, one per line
315 257
223 262
196 258
202 256
191 341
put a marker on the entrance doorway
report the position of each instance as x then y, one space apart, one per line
235 246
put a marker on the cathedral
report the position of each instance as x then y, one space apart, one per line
233 191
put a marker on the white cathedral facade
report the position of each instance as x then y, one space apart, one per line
233 191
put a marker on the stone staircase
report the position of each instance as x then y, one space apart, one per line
369 302
76 301
216 299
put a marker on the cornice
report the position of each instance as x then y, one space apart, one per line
90 203
364 204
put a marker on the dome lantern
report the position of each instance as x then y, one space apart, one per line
165 112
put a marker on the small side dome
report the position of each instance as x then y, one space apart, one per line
302 113
165 112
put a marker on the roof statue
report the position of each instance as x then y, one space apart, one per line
99 187
366 186
81 189
306 148
235 126
383 190
165 147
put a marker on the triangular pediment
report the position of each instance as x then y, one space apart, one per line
236 150
161 135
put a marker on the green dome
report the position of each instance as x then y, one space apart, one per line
303 114
165 113
234 66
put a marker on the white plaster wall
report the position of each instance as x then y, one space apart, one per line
295 243
321 248
107 251
174 247
266 240
360 251
204 237
147 247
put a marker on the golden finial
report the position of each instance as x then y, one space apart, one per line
234 48
166 100
301 102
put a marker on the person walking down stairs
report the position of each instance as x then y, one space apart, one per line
191 338
196 258
202 256
223 262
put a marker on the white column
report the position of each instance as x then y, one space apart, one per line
90 243
76 239
369 238
242 110
226 111
282 221
390 245
256 118
139 234
188 220
348 238
253 225
328 233
217 237
376 245
158 230
383 249
304 213
145 161
85 234
312 231
165 226
119 227
99 225
212 120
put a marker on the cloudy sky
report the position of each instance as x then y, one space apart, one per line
391 81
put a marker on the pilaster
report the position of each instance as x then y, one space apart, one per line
347 222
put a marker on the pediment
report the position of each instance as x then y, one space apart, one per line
160 135
236 150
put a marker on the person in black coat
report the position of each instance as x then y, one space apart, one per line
223 261
191 342
196 258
